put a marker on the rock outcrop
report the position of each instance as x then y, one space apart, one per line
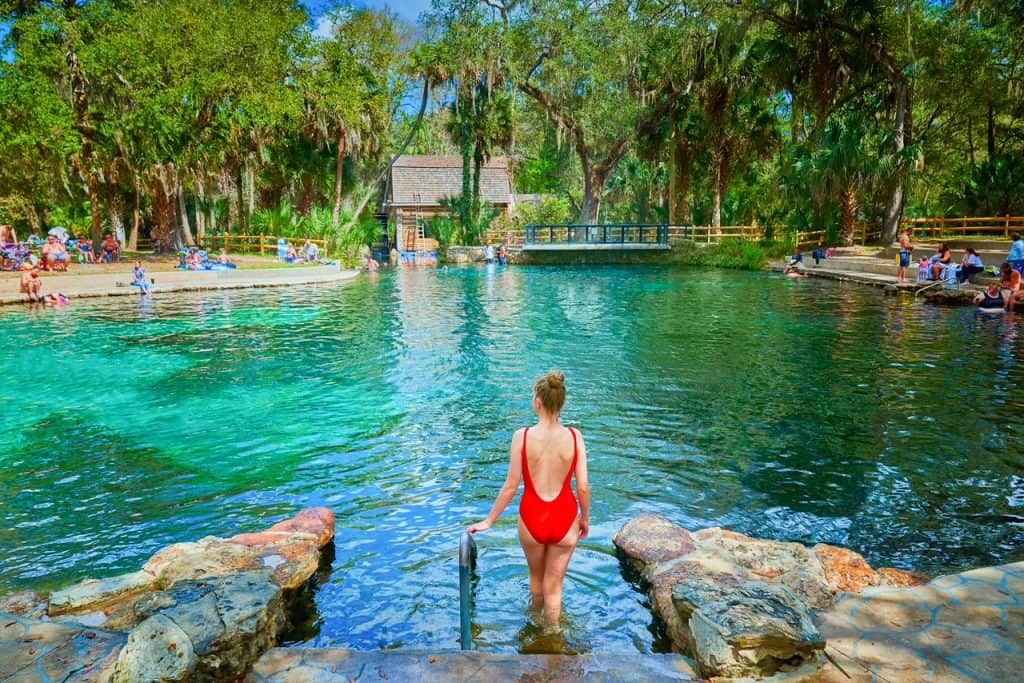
740 606
203 610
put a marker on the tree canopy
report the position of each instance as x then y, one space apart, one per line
179 117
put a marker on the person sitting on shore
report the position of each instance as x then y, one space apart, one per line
139 279
310 252
7 235
30 283
291 256
111 249
223 259
1009 283
85 252
942 257
55 255
1016 256
970 265
991 299
34 240
194 260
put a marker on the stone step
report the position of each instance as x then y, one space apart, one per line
343 665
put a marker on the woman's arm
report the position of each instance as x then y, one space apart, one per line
509 488
583 487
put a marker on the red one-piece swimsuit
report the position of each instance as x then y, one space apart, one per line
548 521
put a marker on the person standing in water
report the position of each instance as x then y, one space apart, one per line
551 522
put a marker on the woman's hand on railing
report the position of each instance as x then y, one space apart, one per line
480 526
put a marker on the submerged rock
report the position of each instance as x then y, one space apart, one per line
741 606
950 297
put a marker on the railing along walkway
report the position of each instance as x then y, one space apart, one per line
608 236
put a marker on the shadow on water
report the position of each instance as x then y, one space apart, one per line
301 611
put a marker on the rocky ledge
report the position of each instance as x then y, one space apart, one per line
741 606
195 611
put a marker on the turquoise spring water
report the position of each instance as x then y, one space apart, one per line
807 411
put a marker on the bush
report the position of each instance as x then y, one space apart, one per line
549 211
731 253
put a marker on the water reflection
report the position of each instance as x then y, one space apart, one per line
807 411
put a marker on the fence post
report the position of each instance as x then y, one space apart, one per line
261 244
1006 225
227 241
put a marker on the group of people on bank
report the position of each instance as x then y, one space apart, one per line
54 252
1002 294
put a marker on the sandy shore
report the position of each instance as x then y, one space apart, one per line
114 279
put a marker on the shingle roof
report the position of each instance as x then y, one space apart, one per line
425 180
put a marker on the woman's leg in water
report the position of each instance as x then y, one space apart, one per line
556 564
535 554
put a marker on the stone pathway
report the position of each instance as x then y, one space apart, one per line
961 627
297 665
36 651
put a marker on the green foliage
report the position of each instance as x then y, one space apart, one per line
736 254
548 211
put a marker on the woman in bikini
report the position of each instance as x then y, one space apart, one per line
551 522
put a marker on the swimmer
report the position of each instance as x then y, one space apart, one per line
551 522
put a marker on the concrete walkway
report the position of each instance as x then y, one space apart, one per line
117 284
961 627
295 665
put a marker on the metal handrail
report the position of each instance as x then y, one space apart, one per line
608 233
467 568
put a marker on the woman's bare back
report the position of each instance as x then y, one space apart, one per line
549 454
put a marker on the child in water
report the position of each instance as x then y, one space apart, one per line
139 279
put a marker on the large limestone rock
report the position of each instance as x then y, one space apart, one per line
741 606
205 630
196 611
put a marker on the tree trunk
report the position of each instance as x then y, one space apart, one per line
240 183
894 208
465 201
115 212
200 210
165 234
716 199
679 210
133 235
991 132
970 143
186 227
848 223
478 162
95 208
250 173
339 179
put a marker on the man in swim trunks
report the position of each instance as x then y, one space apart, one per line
551 523
906 249
55 255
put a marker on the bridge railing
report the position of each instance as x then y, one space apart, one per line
613 233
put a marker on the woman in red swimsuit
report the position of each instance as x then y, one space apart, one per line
546 456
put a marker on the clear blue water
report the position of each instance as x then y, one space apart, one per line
808 411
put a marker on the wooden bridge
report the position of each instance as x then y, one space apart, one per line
579 237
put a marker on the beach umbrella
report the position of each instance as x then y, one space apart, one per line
60 232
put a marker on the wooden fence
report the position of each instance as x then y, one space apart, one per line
964 226
246 244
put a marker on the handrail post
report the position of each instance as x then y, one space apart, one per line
467 567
